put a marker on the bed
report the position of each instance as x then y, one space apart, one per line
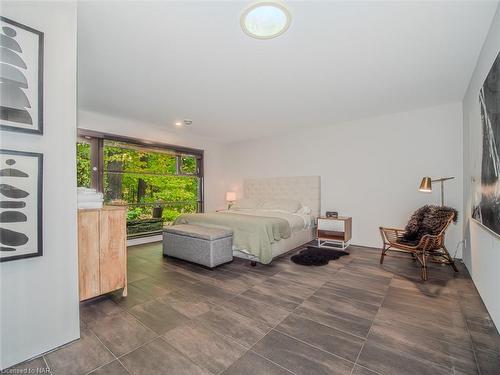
261 234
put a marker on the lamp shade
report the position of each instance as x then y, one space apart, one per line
230 196
426 185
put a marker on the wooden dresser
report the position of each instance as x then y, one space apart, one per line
102 250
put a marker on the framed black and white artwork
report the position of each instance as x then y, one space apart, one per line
21 176
485 138
21 77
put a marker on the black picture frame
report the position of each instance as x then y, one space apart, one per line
39 213
40 35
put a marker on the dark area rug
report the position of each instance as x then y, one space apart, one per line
317 256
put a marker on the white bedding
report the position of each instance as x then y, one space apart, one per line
296 221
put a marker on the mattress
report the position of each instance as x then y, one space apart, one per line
278 248
296 221
300 225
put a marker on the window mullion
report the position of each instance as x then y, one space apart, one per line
99 152
178 164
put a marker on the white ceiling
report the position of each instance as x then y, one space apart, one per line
160 62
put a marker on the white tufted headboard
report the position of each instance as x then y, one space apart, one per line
306 189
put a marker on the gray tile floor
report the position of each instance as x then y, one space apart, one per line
353 316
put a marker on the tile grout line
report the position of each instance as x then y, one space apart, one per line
137 347
112 353
314 346
371 326
101 366
270 330
349 333
123 310
46 364
247 348
489 353
141 322
123 365
229 338
439 339
368 333
265 278
163 338
410 355
326 325
108 349
470 337
271 361
274 328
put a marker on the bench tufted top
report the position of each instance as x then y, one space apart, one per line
198 231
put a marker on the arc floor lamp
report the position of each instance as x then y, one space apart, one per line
426 185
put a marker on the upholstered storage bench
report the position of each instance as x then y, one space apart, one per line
207 246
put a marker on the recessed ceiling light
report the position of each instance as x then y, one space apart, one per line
178 123
265 20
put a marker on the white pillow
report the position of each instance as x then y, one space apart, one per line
287 205
245 204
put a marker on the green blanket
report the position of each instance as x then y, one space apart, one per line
253 234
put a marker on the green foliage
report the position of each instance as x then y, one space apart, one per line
143 178
134 213
139 176
83 165
127 159
144 226
188 165
171 213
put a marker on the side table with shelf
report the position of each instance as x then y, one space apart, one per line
334 232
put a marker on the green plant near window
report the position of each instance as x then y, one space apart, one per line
134 213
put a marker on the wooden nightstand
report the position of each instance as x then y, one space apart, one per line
334 232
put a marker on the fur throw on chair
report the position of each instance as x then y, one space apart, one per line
427 220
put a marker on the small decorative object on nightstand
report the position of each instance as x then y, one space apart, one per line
331 214
334 232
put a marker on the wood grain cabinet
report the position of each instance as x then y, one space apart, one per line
102 251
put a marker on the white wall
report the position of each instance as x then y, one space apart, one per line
213 155
39 296
370 169
482 253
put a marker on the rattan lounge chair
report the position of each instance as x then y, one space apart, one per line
429 247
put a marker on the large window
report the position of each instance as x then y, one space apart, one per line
157 182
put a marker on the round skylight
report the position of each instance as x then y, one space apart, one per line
265 20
